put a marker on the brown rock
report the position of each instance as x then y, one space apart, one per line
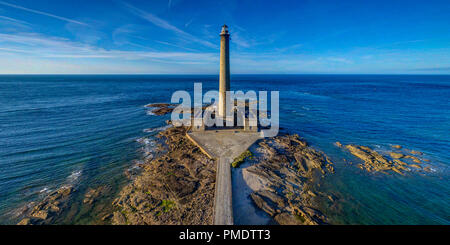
26 221
311 193
161 108
176 187
119 218
396 155
330 197
416 152
397 171
414 158
162 111
94 193
262 204
41 214
50 207
106 217
288 219
65 190
284 194
375 162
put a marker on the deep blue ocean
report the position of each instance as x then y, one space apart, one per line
86 131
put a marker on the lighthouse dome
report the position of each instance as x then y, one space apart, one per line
224 29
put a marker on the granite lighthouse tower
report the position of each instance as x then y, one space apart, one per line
221 144
224 79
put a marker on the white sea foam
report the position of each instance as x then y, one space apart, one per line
134 167
74 176
149 147
45 190
149 156
146 141
150 113
151 130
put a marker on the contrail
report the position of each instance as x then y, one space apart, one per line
42 13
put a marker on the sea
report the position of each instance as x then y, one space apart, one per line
88 131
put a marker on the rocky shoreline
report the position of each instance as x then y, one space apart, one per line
45 212
175 188
177 185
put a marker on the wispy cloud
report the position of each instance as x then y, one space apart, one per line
13 20
38 53
433 69
289 48
189 23
166 25
174 45
244 39
38 45
12 50
38 41
13 25
129 35
42 13
239 40
339 60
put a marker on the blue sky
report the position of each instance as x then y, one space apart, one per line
182 36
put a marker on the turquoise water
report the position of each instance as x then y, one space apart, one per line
86 131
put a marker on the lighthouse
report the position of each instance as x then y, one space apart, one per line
224 78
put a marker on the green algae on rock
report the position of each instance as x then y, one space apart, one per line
239 160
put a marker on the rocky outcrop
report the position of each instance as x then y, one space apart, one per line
284 169
373 161
376 162
95 193
413 158
416 152
160 109
176 187
396 155
48 209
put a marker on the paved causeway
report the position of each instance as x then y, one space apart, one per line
224 146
